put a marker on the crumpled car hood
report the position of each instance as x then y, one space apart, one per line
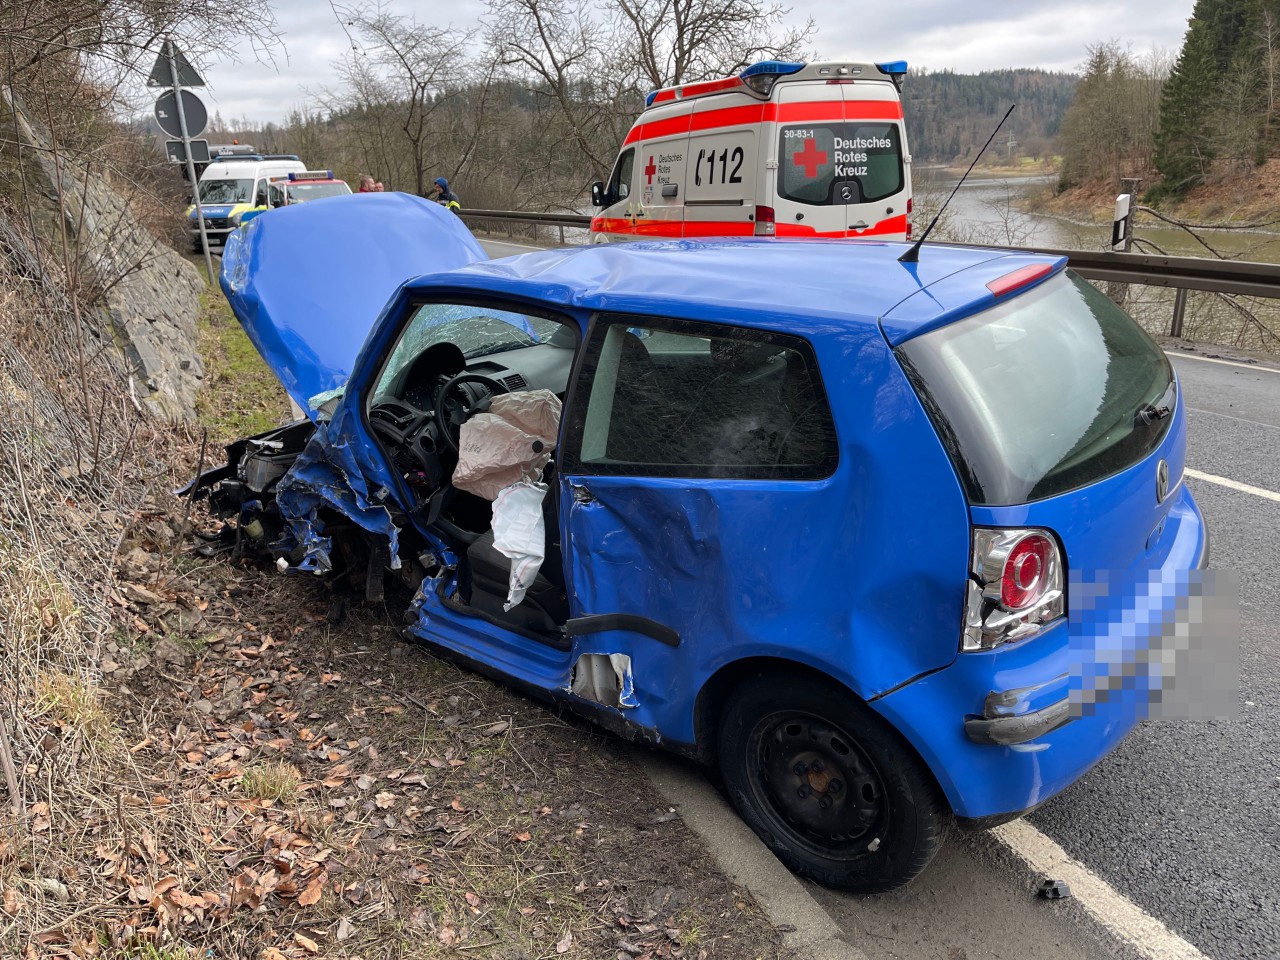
308 282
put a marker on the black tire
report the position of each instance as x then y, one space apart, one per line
865 814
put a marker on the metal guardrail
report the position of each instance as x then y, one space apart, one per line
511 217
1243 278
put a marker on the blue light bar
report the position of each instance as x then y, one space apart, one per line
774 67
648 100
894 68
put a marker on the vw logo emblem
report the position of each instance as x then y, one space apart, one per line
1162 481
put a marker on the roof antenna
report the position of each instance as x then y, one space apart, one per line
913 255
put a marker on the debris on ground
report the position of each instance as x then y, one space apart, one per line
1053 890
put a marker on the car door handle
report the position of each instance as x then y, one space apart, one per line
860 225
582 494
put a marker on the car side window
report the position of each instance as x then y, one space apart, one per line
620 182
670 398
260 196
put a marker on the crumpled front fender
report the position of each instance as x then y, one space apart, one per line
336 470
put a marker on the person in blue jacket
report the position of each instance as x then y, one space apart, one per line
442 194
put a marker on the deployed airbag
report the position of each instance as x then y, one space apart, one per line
511 443
501 457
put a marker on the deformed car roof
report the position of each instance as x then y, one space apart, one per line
789 285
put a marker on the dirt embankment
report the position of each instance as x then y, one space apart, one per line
1240 195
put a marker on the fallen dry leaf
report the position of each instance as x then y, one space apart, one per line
457 805
523 836
345 930
306 943
385 801
565 942
311 895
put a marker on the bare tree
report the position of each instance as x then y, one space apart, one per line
407 69
559 49
596 59
680 41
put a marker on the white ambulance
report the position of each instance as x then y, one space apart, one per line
781 149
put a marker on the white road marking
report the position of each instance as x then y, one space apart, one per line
1113 910
1225 363
1227 416
508 243
1233 484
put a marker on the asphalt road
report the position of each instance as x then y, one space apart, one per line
1183 818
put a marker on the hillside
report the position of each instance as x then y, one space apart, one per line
950 115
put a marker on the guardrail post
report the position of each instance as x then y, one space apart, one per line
1179 312
562 234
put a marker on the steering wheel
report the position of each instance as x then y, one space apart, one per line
448 431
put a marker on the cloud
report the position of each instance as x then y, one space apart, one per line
938 34
994 34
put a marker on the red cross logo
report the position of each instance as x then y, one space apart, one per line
810 158
649 171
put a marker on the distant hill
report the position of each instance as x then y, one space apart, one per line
950 115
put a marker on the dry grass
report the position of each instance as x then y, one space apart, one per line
81 466
277 782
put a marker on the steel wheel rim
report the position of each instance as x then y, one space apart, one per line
819 782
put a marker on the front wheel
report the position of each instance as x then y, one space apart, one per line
834 791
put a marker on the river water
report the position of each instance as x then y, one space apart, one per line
990 211
986 210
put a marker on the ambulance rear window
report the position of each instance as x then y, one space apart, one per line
839 163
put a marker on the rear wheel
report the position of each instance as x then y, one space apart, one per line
830 787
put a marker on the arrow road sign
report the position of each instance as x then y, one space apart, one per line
187 75
176 154
167 114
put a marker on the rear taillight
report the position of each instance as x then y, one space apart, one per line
909 206
764 221
1015 589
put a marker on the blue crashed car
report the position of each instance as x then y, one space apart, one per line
823 519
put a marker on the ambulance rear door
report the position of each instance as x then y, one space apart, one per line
841 169
872 170
720 175
805 203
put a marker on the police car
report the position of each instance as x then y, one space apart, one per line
835 523
304 186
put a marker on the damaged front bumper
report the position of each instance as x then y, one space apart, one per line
244 488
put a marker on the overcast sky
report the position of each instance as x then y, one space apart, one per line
965 35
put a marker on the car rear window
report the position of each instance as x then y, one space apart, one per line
1042 394
839 163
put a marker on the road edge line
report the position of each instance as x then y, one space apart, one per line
1115 912
1232 484
809 929
1174 355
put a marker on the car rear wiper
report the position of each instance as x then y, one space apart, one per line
1151 412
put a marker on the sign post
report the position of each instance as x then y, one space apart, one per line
171 56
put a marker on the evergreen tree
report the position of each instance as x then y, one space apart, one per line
1187 140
